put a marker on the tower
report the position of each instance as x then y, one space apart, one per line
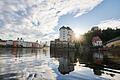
66 34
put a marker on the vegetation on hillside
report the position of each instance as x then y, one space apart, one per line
105 35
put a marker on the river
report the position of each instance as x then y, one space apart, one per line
58 64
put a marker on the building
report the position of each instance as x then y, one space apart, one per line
19 43
22 43
65 57
9 43
96 41
35 45
2 43
65 40
66 34
15 43
61 44
27 44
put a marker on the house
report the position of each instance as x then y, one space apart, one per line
2 43
9 43
20 42
15 43
96 41
35 45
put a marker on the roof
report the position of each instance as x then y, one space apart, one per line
2 40
63 27
69 28
96 38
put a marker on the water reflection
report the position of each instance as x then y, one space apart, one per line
66 59
102 64
60 64
24 64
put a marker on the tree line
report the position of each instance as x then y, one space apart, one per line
105 35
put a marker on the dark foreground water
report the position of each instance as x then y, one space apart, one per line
43 64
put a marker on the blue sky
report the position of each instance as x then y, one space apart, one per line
41 19
108 9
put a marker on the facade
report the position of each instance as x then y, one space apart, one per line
15 43
65 57
26 44
19 43
35 44
96 41
9 42
62 44
2 43
65 39
66 34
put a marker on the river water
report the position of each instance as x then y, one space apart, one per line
58 64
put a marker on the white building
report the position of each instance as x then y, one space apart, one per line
66 34
96 41
26 44
20 41
9 42
2 43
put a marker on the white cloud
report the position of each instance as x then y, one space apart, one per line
109 23
32 19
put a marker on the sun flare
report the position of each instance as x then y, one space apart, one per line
77 33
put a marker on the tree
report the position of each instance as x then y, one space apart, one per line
105 35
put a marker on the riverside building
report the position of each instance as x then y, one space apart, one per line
66 34
65 40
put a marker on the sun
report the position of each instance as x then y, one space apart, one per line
77 33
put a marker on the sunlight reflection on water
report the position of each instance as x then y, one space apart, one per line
37 64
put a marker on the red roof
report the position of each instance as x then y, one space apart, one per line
96 38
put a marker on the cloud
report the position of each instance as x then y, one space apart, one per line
32 19
112 23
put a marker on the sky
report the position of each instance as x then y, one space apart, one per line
41 19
